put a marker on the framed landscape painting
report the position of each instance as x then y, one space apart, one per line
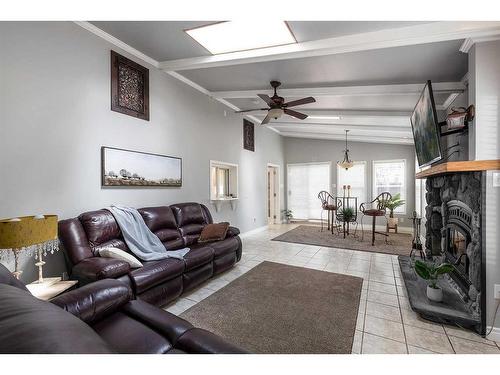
135 169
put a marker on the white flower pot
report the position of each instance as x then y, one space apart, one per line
435 295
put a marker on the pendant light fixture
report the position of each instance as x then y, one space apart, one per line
346 163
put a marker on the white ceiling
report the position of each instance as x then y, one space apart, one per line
368 73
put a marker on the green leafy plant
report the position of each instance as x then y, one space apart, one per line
347 213
431 272
288 214
394 203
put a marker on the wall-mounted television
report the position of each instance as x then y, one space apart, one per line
424 123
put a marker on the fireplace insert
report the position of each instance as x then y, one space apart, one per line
457 239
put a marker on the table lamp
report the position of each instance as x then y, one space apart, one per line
28 235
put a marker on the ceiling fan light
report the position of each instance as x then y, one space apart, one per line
275 113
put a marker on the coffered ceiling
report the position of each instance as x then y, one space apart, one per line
365 76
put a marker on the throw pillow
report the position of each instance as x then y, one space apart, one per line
113 252
214 232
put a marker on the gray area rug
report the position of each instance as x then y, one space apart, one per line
277 308
398 244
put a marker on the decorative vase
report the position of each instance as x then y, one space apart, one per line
392 221
434 294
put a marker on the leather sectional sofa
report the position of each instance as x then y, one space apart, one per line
100 318
157 282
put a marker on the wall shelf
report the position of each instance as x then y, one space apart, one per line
219 202
460 166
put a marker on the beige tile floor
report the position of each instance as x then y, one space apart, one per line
386 324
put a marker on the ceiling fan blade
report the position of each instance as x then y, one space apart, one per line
266 120
266 98
296 114
250 110
294 103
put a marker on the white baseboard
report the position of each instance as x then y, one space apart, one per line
494 335
253 231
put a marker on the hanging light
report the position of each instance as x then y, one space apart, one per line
346 163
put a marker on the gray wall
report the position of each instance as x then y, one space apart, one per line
55 116
300 150
484 140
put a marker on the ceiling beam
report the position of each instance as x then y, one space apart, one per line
405 130
369 139
385 121
375 90
404 36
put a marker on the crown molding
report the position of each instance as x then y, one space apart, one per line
469 42
117 42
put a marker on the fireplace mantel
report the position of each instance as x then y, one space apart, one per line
459 166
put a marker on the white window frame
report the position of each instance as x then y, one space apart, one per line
338 188
405 185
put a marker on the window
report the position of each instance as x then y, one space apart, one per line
354 176
389 175
304 183
220 181
223 180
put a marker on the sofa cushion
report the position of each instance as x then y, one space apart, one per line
198 255
155 272
30 325
189 213
221 248
161 221
97 268
100 226
214 232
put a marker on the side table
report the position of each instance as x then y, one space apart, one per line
51 287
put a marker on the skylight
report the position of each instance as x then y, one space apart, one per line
233 36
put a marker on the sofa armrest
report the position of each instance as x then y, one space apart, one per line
97 268
232 232
178 331
168 324
201 341
95 301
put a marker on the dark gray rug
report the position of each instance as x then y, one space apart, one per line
398 244
277 308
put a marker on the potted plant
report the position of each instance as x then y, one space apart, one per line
431 272
392 204
288 215
347 214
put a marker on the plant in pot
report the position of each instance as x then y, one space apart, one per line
392 204
431 272
347 214
288 214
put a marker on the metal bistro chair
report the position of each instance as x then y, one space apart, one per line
329 205
375 208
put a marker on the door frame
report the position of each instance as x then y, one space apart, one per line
277 198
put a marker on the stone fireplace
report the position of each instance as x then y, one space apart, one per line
453 234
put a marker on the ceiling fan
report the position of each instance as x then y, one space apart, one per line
277 105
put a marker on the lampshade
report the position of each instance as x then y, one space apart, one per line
28 234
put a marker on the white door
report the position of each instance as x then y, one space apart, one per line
272 195
304 182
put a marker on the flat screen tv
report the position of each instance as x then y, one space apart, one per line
424 123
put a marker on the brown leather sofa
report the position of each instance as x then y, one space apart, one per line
100 318
157 282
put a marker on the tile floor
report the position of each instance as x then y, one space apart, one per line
386 324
